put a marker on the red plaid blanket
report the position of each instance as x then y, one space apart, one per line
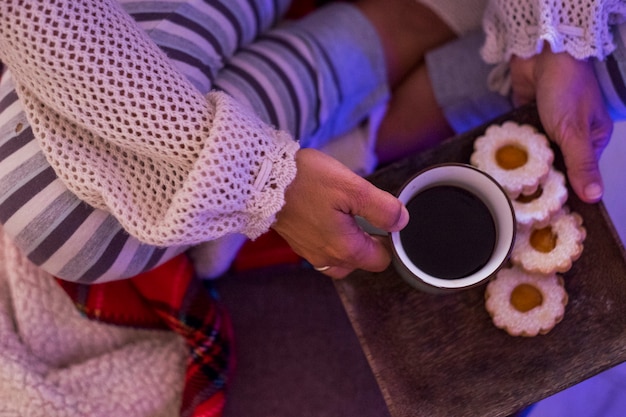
171 296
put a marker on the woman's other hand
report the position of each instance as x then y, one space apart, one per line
572 111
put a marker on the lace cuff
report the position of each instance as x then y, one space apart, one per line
581 28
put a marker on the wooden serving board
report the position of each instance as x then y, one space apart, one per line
440 355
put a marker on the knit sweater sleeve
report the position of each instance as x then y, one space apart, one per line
581 28
127 133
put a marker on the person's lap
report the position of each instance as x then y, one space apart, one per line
459 78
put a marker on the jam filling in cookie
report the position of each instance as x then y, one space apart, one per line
551 248
537 208
517 156
525 304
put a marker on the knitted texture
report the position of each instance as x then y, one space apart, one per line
579 27
129 134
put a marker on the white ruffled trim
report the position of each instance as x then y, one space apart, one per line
506 36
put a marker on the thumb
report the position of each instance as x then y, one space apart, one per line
375 214
383 211
581 161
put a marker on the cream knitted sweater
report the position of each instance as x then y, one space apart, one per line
520 27
581 28
128 133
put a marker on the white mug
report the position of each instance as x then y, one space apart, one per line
501 228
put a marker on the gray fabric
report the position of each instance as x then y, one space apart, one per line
459 78
611 73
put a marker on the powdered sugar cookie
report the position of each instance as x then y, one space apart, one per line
551 248
517 156
536 209
525 304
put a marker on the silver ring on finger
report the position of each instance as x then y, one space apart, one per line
322 268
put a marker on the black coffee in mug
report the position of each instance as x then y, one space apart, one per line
451 233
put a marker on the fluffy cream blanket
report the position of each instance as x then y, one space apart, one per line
54 362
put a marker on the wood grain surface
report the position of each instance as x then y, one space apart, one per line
440 355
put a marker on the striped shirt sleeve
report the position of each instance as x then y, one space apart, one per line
55 229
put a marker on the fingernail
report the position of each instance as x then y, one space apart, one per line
593 191
404 217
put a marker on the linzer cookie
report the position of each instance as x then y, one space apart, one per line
551 248
517 156
525 304
529 298
537 208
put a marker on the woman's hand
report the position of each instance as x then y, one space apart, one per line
571 110
318 217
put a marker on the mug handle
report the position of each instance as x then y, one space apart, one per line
368 228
